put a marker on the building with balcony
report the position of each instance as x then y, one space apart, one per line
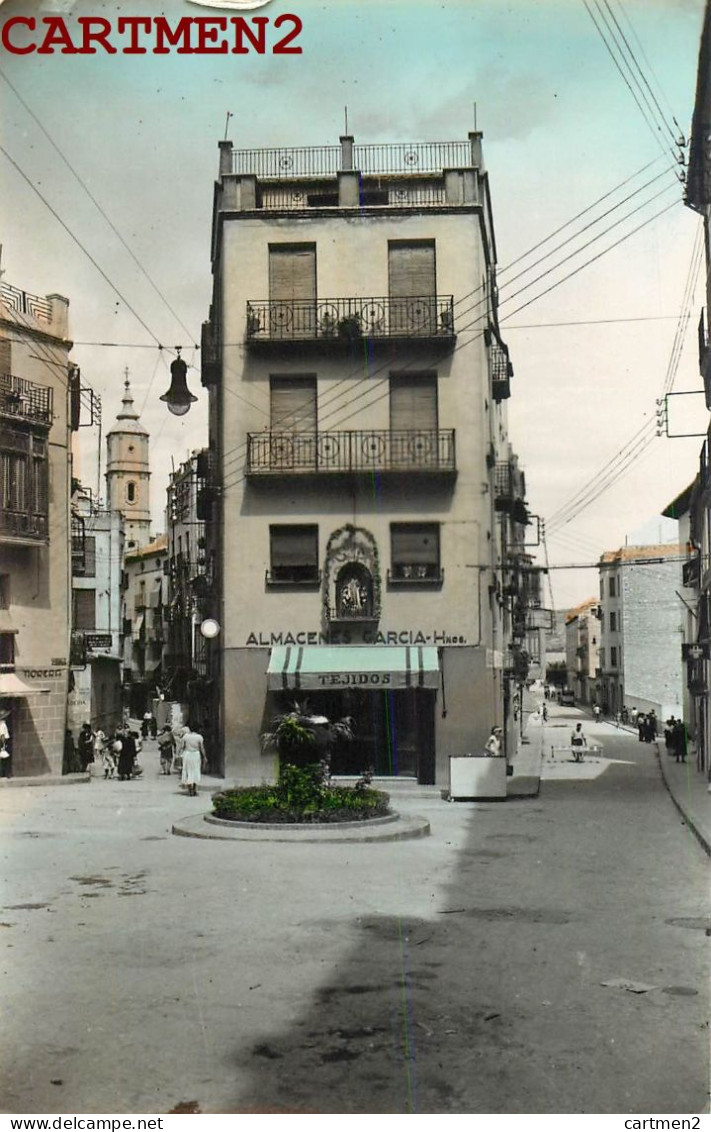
96 653
191 596
640 630
144 630
36 384
358 385
582 634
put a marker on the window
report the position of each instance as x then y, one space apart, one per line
411 283
602 621
131 491
414 549
613 657
292 290
293 553
5 356
7 652
24 482
612 589
613 622
413 403
4 591
601 658
84 609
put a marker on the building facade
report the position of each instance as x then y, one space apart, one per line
144 630
358 386
96 655
582 633
640 630
37 386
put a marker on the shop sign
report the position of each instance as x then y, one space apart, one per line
347 637
40 673
97 640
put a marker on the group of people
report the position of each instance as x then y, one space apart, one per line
675 738
647 726
180 748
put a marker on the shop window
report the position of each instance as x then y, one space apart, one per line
293 553
414 551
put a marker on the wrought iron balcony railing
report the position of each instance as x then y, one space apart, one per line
25 400
25 303
32 525
362 450
347 320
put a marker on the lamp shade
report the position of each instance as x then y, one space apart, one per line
178 398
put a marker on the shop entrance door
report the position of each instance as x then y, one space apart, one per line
393 731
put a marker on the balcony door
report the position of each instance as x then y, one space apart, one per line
292 291
412 288
413 421
292 436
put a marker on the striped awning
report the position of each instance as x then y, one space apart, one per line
331 667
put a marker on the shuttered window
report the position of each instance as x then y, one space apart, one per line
5 358
292 290
293 552
415 550
84 609
292 404
413 403
411 283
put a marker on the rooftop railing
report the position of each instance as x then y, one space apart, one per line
22 302
326 161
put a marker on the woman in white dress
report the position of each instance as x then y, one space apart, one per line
193 759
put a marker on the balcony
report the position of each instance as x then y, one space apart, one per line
501 368
27 527
691 573
25 401
351 452
343 322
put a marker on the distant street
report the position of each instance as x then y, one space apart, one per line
460 973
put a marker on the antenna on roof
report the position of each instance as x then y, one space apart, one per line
227 123
474 106
345 111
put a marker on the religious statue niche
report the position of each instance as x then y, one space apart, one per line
354 592
351 576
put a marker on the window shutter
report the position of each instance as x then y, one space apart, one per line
416 543
84 609
413 403
293 404
5 356
292 272
294 546
411 269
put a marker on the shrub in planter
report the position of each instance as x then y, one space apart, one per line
302 794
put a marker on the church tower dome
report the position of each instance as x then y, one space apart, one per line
128 471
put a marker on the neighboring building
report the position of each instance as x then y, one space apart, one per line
693 506
640 629
128 472
582 632
35 454
190 598
97 630
358 386
144 587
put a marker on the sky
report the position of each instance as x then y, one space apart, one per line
561 131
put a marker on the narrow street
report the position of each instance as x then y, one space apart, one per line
460 973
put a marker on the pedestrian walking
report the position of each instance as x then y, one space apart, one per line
165 749
680 741
652 725
669 734
5 751
641 727
126 755
544 713
193 760
578 742
85 746
596 713
633 716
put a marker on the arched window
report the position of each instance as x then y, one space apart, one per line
131 491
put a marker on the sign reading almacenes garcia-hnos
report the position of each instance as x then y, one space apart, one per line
348 637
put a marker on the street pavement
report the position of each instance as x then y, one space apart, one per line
544 954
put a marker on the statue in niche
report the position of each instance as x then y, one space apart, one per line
354 592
